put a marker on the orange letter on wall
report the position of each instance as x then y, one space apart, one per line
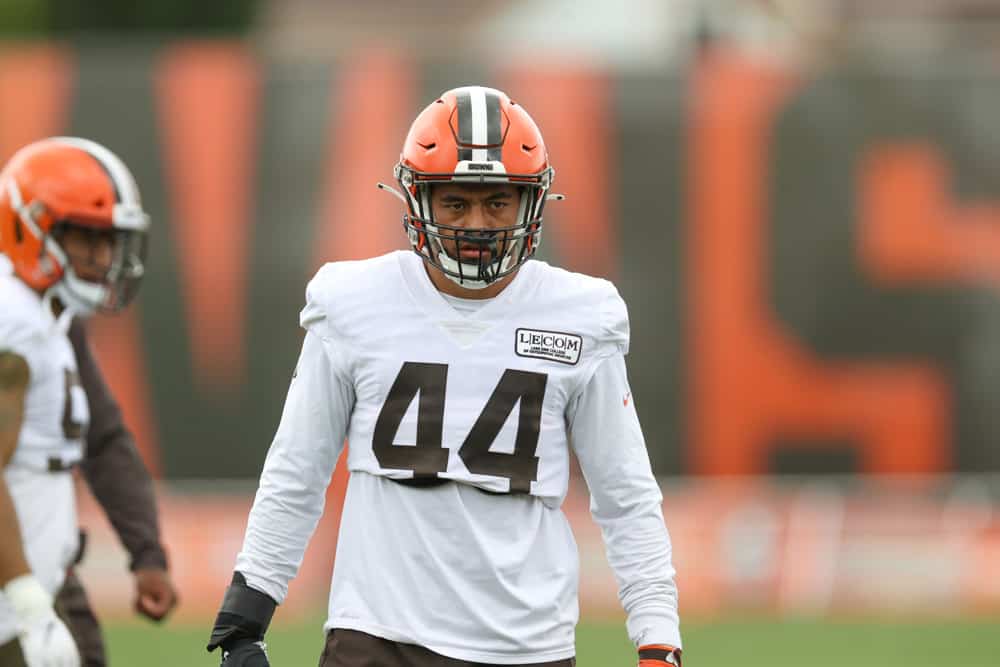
913 231
207 97
751 382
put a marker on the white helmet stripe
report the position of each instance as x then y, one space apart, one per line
479 126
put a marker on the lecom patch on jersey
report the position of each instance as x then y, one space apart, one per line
552 345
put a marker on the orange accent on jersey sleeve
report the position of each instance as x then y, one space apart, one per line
650 662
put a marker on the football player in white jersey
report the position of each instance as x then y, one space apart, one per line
462 375
72 240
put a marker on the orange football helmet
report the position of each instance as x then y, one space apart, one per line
63 182
474 135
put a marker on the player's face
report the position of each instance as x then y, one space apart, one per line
473 207
90 251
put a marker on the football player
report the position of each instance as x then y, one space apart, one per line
462 373
73 237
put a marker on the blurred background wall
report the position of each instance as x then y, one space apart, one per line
798 199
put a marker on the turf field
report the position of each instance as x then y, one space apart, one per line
733 643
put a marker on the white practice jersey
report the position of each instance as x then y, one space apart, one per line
485 569
51 437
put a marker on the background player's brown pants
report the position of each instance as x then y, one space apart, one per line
10 654
348 648
73 607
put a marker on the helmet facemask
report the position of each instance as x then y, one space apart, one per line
120 281
474 135
73 225
489 253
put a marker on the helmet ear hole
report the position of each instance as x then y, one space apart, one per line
18 232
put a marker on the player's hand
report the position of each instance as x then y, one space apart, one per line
155 595
241 624
659 655
245 653
46 642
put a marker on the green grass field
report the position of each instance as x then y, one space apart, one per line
731 643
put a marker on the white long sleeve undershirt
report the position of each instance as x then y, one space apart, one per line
626 503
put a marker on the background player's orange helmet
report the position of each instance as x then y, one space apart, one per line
63 182
474 135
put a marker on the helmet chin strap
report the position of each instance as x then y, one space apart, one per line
467 269
426 241
76 295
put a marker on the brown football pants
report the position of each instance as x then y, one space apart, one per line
74 609
349 648
10 654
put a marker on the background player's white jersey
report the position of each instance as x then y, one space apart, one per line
51 438
484 570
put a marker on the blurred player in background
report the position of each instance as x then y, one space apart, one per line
453 549
73 237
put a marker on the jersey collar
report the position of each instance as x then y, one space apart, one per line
428 298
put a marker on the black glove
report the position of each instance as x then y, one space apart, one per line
241 624
245 653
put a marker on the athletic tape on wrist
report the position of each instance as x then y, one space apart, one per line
27 596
